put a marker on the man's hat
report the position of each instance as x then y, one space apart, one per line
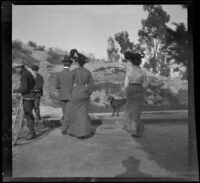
18 63
66 59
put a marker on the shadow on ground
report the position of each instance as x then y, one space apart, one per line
41 131
131 164
167 144
51 124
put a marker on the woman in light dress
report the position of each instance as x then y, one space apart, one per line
135 84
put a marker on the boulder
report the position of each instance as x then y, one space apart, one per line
151 97
150 102
158 98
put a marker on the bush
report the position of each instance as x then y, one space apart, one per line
26 51
32 44
17 45
16 54
40 48
97 100
54 57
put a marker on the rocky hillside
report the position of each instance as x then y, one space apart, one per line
109 79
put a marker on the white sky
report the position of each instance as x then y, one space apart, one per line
84 27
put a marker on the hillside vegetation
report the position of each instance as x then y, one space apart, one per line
162 93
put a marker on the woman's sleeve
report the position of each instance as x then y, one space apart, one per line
57 82
90 83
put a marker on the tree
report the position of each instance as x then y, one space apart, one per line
17 44
91 57
177 45
122 38
112 51
152 35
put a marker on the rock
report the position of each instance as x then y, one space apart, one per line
151 97
149 91
158 98
150 102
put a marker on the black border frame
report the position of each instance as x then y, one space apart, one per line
6 43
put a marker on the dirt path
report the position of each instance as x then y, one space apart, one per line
99 156
110 152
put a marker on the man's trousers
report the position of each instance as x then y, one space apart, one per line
28 112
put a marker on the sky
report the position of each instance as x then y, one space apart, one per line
84 27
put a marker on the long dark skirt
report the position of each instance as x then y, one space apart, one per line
133 109
77 118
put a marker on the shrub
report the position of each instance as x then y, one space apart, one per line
40 48
97 99
16 54
17 45
26 51
54 57
32 44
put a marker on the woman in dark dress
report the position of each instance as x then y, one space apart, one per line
76 113
135 84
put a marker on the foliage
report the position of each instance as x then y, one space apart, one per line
54 57
177 43
32 44
152 34
122 38
112 51
177 46
18 54
26 51
40 48
97 100
91 57
17 44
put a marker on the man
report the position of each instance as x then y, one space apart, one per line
64 82
26 89
38 89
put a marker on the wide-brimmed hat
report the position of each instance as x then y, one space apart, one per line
18 63
67 59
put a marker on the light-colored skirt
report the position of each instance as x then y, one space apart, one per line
134 106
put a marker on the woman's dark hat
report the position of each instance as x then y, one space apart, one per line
82 57
73 53
131 56
78 56
67 59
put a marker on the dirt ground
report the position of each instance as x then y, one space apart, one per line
109 152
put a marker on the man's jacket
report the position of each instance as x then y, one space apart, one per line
64 82
38 87
27 83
